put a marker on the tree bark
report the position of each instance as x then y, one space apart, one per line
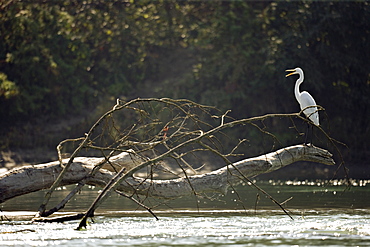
28 179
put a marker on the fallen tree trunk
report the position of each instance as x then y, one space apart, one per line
28 179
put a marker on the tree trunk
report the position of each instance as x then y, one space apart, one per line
28 179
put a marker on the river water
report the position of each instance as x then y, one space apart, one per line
323 215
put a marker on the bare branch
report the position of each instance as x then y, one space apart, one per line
167 134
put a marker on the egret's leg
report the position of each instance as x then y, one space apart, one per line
311 133
306 134
309 129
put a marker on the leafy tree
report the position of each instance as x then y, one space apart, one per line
40 56
330 41
60 58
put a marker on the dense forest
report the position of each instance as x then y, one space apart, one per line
63 63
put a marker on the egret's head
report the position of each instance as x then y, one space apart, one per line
294 71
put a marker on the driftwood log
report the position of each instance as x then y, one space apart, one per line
27 179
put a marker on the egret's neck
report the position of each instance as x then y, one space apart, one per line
296 88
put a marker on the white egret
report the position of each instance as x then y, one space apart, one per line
305 100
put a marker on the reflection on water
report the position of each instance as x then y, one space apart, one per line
323 215
304 194
212 228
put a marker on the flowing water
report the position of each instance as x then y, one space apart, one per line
326 215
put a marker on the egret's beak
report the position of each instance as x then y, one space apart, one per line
290 70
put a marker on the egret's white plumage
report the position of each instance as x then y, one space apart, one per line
305 100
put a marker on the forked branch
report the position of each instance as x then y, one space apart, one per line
148 133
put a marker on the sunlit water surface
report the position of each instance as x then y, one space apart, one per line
321 218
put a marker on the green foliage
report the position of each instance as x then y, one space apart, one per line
8 89
330 41
62 57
